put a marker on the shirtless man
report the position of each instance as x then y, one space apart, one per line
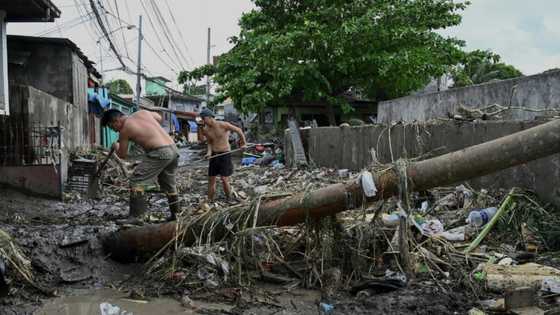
217 135
159 161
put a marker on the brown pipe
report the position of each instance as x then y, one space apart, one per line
478 160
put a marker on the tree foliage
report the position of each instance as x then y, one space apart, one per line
119 86
481 66
291 51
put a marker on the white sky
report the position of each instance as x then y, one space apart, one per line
525 33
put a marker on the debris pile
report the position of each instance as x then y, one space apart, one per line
457 236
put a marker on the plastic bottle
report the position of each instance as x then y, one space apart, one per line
480 217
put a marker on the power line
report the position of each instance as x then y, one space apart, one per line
92 30
167 32
180 32
105 32
161 59
158 54
176 61
121 25
66 26
108 23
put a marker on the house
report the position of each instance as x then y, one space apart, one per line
57 67
323 114
32 138
49 116
17 12
164 96
178 110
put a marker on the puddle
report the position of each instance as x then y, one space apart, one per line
89 303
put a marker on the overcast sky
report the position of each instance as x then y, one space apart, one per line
525 33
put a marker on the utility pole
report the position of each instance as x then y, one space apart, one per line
100 59
208 77
139 68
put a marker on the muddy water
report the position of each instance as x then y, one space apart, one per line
89 302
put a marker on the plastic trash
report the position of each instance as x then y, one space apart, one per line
248 161
551 285
454 235
432 227
259 190
368 185
479 218
109 309
395 275
390 219
327 308
343 173
277 165
424 207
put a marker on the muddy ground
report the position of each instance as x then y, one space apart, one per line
74 276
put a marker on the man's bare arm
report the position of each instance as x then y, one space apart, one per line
238 131
208 144
121 147
157 117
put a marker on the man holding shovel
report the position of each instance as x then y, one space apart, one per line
217 136
159 161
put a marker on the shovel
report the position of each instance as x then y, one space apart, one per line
93 186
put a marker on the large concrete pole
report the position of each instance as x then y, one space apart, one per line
475 161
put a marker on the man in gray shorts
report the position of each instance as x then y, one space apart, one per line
159 161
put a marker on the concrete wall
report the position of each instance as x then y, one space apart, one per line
58 71
350 147
44 66
36 179
537 91
48 111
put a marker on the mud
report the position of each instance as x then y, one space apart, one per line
73 276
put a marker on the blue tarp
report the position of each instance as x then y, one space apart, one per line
98 100
193 126
176 122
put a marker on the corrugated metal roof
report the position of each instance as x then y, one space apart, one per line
57 41
29 10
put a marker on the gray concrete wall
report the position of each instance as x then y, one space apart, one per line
538 91
43 66
48 110
350 147
35 179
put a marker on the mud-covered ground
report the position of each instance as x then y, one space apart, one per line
73 275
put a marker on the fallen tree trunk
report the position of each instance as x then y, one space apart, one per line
475 161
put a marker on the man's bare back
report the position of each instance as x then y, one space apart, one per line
143 127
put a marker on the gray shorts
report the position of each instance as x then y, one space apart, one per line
160 163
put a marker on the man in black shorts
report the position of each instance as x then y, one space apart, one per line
217 136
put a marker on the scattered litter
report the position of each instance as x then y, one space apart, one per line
432 227
109 309
326 308
551 285
480 217
390 219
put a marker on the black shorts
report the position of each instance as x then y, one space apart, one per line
221 165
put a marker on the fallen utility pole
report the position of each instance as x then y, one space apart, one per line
471 162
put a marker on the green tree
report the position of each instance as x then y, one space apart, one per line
318 50
119 86
481 66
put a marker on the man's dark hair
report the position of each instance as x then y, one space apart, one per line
109 116
207 113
